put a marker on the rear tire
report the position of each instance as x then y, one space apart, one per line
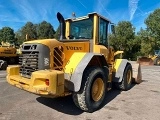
157 61
4 65
92 92
127 79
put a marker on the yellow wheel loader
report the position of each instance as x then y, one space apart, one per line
151 59
8 55
156 57
80 63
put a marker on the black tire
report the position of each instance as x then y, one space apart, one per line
154 61
126 84
157 61
4 65
84 99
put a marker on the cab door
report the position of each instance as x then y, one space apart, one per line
102 42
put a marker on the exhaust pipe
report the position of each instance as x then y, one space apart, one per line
62 26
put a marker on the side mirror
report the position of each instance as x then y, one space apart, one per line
113 29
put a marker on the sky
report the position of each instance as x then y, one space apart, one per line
16 13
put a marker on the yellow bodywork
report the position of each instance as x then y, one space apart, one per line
48 42
7 51
71 53
75 58
153 57
37 83
117 64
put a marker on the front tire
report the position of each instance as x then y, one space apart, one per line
92 92
127 79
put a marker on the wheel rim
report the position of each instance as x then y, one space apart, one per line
97 89
129 76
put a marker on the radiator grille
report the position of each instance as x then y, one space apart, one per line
28 63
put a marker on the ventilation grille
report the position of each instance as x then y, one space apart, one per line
58 58
29 63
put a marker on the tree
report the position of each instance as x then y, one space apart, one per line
45 30
124 39
19 38
147 42
153 25
57 34
29 31
7 35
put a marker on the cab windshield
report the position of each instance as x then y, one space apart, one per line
82 29
157 52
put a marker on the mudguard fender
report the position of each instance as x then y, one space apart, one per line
73 81
119 67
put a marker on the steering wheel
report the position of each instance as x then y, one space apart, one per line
71 36
80 37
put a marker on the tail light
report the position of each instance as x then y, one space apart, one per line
47 82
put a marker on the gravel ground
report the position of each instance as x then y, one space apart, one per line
139 103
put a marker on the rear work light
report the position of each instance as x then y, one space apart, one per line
47 82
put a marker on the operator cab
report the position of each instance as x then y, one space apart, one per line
157 52
81 28
93 26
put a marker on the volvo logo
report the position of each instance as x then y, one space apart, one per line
73 48
46 61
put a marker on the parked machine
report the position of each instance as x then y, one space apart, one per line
81 63
156 57
8 55
150 60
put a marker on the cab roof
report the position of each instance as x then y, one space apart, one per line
85 17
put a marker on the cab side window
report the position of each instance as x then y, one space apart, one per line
103 28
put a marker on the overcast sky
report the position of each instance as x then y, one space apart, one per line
15 13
